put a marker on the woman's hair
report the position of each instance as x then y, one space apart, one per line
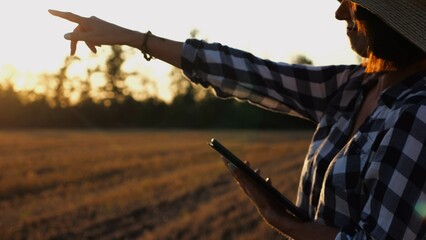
387 49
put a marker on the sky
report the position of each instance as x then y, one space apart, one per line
32 40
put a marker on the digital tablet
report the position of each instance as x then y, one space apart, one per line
269 189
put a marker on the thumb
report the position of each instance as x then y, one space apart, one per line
76 36
68 36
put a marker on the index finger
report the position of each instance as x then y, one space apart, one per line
68 16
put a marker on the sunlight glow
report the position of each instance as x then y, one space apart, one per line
32 40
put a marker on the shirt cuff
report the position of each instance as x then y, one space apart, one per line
189 59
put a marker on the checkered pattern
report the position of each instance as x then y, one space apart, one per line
370 185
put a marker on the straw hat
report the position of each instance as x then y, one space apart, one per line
408 17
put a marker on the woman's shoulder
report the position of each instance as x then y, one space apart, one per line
410 92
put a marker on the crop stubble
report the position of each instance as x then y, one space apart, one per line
138 184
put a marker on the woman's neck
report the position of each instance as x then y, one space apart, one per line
391 78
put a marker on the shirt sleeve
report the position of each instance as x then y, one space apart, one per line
396 183
299 90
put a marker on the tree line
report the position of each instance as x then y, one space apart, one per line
72 102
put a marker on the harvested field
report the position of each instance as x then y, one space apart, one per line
136 184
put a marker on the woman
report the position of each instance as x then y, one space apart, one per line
364 175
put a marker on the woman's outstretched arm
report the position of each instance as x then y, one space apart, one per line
96 32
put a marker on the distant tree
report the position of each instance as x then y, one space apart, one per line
10 105
302 59
181 88
10 73
86 85
148 89
115 88
58 87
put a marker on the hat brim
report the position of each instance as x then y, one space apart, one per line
408 17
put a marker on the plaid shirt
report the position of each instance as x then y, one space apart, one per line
370 185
